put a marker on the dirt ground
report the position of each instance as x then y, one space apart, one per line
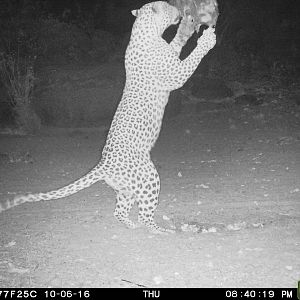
230 188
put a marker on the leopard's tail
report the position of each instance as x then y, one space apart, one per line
93 176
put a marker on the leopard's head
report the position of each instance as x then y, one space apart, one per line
161 13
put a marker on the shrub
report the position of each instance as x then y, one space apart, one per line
18 78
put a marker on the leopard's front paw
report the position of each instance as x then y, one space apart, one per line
208 38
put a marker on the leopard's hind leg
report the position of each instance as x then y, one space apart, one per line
148 197
125 201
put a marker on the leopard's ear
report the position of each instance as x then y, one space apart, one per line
154 8
135 12
158 6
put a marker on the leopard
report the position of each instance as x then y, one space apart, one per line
153 70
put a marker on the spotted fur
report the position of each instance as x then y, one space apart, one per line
152 70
